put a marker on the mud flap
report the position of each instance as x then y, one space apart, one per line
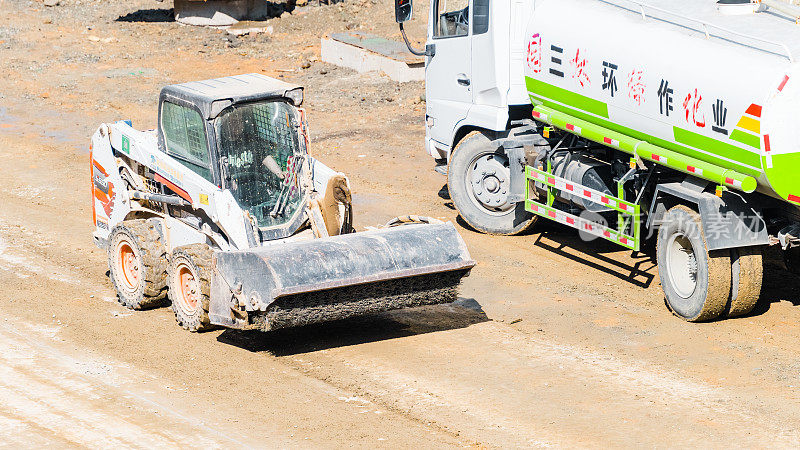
293 283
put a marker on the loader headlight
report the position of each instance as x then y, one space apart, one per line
296 96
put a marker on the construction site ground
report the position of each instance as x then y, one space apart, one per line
554 342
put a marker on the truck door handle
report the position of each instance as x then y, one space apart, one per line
462 79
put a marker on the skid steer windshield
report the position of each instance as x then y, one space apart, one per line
260 144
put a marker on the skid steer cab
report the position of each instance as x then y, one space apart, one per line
223 212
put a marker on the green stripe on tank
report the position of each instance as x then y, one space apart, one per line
720 148
570 98
747 170
746 138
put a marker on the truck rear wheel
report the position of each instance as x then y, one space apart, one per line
696 281
478 179
190 286
747 274
137 262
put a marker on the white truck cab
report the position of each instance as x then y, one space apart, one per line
474 69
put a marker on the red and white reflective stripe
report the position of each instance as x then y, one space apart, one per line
659 158
783 83
611 142
587 226
540 116
594 196
733 182
695 170
767 150
578 191
562 184
573 128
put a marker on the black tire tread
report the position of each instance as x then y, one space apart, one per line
200 255
746 282
146 235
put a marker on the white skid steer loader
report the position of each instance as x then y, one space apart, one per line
223 210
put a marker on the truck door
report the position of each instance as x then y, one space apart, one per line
448 73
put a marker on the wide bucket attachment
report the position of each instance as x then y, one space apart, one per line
295 283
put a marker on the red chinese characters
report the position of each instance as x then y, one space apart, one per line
691 106
636 86
579 69
534 58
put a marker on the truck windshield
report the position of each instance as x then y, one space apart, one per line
259 142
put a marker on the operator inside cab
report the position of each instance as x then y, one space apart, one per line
258 139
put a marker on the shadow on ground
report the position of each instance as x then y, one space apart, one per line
361 330
641 273
149 16
779 285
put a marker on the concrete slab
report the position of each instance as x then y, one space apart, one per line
249 27
219 12
364 52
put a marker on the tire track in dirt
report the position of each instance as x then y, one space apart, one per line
524 390
450 406
72 400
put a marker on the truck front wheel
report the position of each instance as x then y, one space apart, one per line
696 281
478 179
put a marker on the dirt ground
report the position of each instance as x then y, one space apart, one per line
555 342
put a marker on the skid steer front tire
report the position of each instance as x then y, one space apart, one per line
137 262
696 281
190 286
478 181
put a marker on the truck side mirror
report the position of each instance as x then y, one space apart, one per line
403 10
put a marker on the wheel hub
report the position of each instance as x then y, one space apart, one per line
490 181
190 289
128 266
682 265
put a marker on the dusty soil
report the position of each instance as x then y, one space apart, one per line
554 342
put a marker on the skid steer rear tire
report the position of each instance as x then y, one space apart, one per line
190 286
137 262
506 220
696 281
747 274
